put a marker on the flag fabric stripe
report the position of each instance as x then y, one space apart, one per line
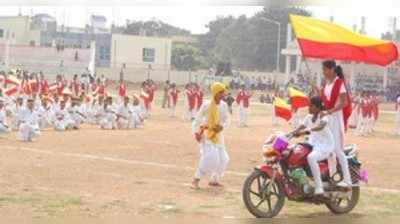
299 102
282 109
321 31
298 99
320 39
378 54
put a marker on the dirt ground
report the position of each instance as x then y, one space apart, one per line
147 172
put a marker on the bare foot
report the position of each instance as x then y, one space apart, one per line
215 184
195 184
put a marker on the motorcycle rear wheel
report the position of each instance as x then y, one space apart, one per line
335 205
256 187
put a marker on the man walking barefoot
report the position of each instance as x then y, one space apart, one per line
208 125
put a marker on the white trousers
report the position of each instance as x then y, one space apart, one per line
108 122
213 161
363 126
243 115
317 155
64 124
27 132
172 110
336 126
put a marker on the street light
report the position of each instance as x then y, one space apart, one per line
278 53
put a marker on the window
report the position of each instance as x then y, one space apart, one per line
1 33
149 54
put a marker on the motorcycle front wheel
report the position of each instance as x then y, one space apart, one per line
344 205
262 197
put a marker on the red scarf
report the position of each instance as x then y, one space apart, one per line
330 103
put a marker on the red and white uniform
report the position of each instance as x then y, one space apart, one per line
173 95
122 90
199 99
43 87
60 87
146 97
75 87
337 123
243 100
190 104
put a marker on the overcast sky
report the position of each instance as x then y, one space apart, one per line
194 15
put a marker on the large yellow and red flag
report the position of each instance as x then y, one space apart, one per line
320 39
282 109
298 99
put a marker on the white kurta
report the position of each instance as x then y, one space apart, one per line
108 118
76 114
29 127
63 120
123 119
213 156
45 116
336 126
323 145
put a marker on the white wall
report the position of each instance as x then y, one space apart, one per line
128 49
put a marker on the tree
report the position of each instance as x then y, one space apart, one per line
248 43
186 57
151 28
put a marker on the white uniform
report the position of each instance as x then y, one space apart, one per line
336 126
29 127
76 113
45 116
108 118
15 114
136 116
323 145
398 116
213 156
63 120
123 116
97 111
3 121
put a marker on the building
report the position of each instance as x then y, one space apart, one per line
128 51
45 40
17 30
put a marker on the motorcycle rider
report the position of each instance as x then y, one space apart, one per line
321 139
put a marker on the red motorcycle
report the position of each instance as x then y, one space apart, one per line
286 174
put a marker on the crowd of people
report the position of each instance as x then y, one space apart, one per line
29 104
365 112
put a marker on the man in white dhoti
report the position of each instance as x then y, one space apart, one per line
63 120
212 119
29 123
3 118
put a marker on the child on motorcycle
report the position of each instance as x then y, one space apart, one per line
320 138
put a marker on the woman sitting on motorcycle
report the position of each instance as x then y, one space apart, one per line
321 139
